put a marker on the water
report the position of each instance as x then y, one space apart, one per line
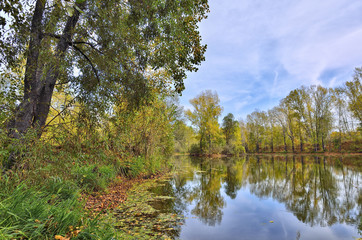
265 198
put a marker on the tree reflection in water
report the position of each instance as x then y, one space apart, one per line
319 191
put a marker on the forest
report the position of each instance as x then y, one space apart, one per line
309 119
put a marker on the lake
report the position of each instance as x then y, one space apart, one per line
265 197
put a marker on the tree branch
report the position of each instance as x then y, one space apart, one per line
87 58
87 43
59 113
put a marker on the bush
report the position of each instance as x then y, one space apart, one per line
195 149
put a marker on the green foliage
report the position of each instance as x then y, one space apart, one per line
184 137
93 177
353 90
114 45
306 120
195 149
229 127
204 117
34 214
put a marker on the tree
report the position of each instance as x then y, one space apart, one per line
99 49
244 135
229 126
277 114
271 129
256 128
205 117
353 90
297 99
322 114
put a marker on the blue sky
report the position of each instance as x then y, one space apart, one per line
260 50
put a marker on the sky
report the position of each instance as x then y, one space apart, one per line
260 50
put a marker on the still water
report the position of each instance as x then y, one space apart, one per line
265 197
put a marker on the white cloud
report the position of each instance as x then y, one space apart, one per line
259 50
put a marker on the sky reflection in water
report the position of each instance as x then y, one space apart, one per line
236 198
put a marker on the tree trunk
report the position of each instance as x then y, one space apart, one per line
340 142
209 143
323 145
285 142
26 110
201 138
33 111
38 88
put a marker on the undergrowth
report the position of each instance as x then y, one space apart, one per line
40 195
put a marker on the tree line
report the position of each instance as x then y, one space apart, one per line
308 119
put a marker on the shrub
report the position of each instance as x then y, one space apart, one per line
195 149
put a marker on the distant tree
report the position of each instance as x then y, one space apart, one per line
204 117
277 114
353 90
229 127
322 114
244 133
256 129
271 129
297 100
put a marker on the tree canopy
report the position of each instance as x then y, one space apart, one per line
100 50
204 117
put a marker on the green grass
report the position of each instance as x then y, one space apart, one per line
40 196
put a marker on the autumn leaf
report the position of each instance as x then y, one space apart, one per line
59 237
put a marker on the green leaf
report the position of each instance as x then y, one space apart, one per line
79 10
80 1
70 10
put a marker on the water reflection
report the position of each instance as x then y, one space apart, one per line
318 191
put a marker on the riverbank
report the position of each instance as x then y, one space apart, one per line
61 210
334 154
116 194
70 193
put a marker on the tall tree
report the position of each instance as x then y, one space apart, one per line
229 127
204 117
256 129
322 114
101 49
353 90
277 114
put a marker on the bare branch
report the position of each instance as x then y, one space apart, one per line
59 113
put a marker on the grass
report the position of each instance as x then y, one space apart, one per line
40 197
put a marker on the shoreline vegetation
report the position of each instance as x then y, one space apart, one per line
277 154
